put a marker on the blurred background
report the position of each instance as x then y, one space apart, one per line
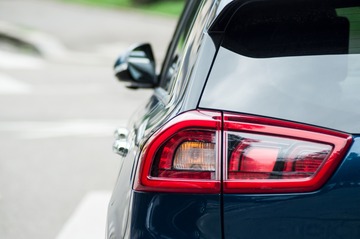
59 107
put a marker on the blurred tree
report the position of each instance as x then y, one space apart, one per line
152 1
143 1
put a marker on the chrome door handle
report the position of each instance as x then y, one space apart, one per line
121 147
121 133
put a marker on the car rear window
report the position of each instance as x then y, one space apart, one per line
298 62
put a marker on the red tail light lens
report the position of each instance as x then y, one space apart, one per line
270 156
251 158
183 156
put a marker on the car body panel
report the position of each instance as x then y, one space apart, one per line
159 215
142 124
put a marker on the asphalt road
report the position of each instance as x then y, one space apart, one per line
58 112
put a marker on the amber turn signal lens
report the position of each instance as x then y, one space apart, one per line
198 156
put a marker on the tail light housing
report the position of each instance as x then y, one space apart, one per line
207 152
183 156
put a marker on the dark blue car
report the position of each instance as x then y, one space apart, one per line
252 130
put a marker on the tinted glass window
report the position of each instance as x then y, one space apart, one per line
176 50
265 29
292 65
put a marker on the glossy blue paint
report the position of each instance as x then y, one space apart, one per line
191 216
332 212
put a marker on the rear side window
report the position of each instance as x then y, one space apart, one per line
292 61
352 14
177 47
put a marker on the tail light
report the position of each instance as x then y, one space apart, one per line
183 156
203 152
272 156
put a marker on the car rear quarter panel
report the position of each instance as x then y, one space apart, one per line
161 215
140 127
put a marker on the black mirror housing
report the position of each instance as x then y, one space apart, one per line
137 66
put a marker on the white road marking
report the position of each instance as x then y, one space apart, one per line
89 219
9 60
8 85
55 129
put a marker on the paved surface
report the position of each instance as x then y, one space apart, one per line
87 28
58 111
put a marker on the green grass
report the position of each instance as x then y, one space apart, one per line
172 8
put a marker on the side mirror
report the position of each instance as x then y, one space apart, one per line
137 66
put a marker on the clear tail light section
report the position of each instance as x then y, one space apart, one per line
271 156
207 152
183 156
189 154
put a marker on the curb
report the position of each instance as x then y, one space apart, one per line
38 43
